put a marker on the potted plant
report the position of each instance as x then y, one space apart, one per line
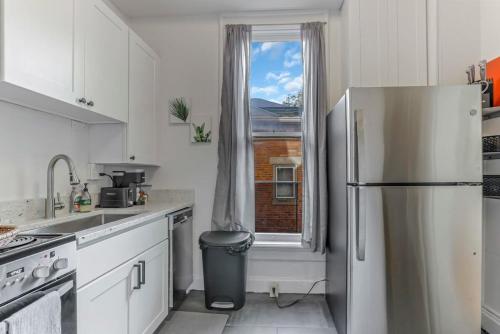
179 111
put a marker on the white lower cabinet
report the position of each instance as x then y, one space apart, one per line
149 304
130 299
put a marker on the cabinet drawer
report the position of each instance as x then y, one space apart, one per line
97 259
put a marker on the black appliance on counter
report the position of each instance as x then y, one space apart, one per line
125 190
34 265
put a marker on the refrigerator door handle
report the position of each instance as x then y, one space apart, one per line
355 145
360 229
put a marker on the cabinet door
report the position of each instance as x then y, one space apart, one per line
106 60
143 65
149 304
103 305
41 47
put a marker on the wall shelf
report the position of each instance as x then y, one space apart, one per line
491 155
129 164
489 113
492 197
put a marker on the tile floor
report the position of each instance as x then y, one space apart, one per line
261 315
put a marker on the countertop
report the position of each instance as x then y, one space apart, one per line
145 214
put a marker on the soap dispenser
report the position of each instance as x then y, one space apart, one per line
85 200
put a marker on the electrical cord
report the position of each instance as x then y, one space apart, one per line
300 299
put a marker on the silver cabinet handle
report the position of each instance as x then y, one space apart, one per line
90 103
138 286
82 100
143 272
360 229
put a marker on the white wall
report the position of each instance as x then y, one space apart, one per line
458 38
490 26
28 140
189 50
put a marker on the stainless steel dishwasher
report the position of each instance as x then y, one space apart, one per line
180 255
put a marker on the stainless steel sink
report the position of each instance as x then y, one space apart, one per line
81 224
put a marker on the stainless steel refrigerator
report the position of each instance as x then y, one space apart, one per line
405 197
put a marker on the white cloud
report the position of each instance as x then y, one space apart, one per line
268 90
277 76
284 80
294 85
266 46
292 59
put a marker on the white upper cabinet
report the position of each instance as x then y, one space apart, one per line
39 40
67 57
143 81
386 41
106 60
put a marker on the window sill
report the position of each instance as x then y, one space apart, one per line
279 240
278 244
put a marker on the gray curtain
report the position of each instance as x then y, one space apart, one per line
314 136
234 201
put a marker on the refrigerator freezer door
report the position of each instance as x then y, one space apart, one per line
421 270
414 135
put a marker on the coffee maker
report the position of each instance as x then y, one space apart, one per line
126 189
119 195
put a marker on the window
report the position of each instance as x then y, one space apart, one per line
284 179
276 88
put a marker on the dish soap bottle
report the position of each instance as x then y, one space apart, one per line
76 195
85 200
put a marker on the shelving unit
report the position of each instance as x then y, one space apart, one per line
491 155
129 164
489 113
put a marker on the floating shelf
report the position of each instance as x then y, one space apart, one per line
129 164
491 155
489 113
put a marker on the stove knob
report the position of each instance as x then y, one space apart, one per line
60 264
41 272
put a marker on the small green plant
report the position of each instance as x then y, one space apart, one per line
199 134
178 108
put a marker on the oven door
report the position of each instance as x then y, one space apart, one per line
65 285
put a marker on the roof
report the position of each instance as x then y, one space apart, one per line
265 108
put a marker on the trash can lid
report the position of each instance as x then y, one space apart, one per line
224 238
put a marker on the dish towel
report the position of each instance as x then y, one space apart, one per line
41 317
3 328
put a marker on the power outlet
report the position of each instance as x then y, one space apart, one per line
275 290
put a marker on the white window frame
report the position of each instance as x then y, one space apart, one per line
277 182
278 33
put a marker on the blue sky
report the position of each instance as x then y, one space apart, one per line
276 70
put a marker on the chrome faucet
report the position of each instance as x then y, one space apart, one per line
50 203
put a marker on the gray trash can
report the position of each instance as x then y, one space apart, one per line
225 268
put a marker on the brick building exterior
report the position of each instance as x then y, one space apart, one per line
272 214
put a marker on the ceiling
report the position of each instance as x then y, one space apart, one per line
145 8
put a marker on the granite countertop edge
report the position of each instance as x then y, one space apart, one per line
142 216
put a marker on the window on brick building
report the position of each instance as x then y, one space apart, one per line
284 178
276 75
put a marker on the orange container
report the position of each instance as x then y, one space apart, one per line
493 72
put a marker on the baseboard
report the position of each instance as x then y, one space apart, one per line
490 321
263 285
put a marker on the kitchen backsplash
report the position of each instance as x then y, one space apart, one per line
24 211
